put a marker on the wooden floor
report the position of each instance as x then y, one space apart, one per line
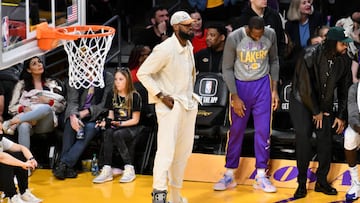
81 190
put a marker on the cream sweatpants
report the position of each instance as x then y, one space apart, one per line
175 138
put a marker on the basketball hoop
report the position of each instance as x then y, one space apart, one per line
87 47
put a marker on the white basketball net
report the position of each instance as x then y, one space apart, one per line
87 57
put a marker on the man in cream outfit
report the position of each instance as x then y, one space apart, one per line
169 76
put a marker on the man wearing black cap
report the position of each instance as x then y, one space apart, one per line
320 71
169 76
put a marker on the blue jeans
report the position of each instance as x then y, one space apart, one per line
73 148
44 118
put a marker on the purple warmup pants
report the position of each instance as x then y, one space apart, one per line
257 98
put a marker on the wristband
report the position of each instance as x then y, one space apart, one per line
31 158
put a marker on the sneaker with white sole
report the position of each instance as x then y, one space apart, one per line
264 184
28 197
105 175
15 199
354 191
7 128
225 183
128 174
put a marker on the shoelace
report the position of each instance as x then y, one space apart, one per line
265 181
127 173
225 180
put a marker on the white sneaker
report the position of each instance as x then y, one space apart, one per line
7 128
28 197
128 175
15 199
353 192
264 184
105 175
227 182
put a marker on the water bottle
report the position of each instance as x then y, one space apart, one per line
80 133
94 166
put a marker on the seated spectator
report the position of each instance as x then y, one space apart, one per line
137 56
323 31
199 39
83 108
319 37
158 31
15 160
36 114
303 22
210 58
314 40
351 25
121 126
7 86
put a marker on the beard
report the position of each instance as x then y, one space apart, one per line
186 35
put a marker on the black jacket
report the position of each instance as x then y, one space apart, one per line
292 28
208 60
315 81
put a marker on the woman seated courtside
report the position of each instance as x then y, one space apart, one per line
121 126
35 101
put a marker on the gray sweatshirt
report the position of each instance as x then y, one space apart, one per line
249 60
353 109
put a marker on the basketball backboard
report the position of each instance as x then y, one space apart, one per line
18 25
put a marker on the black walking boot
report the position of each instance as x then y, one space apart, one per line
159 196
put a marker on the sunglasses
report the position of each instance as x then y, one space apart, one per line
122 69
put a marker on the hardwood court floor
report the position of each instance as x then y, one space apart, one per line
82 190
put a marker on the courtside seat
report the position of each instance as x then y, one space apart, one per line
282 144
146 143
211 121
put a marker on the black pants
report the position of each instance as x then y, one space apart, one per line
7 174
124 140
304 126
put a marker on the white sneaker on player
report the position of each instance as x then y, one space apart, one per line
354 191
264 184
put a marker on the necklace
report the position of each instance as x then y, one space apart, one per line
121 101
